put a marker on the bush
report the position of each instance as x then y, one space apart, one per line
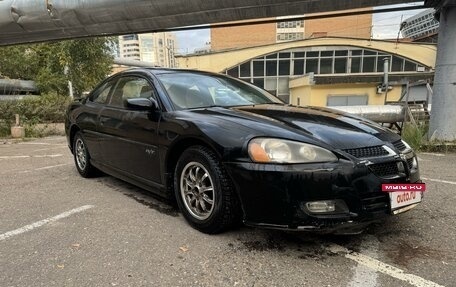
49 108
415 135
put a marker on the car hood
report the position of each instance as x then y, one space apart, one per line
312 124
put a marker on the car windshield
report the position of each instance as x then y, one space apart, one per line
190 90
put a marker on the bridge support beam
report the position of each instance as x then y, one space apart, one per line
443 116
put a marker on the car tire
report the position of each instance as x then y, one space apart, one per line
82 157
204 191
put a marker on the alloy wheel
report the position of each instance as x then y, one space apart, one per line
197 190
81 157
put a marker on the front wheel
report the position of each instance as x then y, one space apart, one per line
204 191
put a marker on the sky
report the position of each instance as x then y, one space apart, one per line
385 26
188 41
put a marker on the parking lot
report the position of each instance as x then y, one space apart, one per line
59 229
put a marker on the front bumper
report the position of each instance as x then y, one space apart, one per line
273 196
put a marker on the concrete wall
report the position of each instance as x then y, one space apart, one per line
317 95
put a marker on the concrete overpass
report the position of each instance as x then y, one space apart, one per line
23 21
42 20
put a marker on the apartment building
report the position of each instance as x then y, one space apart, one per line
156 48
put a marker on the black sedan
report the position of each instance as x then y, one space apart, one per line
228 152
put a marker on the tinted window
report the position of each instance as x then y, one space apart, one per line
271 68
258 68
340 65
326 66
130 87
312 66
368 64
101 94
299 67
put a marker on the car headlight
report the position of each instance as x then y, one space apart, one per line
271 150
407 146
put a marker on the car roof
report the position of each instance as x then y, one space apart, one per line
158 71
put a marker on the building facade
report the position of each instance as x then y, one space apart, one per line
324 71
356 26
155 48
422 26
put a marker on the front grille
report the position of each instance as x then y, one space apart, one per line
374 202
364 152
399 145
384 169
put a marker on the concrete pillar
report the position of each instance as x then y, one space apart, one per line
17 131
443 114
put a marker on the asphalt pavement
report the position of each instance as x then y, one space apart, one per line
59 229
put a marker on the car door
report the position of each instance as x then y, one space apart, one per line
131 144
88 120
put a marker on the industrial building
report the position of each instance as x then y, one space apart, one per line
325 71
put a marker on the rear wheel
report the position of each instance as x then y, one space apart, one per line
82 157
204 191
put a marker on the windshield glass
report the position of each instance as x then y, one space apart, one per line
190 90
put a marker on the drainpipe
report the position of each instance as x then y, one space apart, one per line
385 77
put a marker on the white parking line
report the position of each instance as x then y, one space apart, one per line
50 148
384 268
434 154
51 166
364 276
38 143
439 180
30 156
44 167
40 223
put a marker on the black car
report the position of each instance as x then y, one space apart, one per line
228 152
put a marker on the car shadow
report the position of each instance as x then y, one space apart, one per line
305 245
144 197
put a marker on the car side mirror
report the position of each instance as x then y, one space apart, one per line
142 104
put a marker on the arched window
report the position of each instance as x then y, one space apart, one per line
272 71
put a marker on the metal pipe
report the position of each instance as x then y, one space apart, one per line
24 21
385 71
133 63
8 87
385 77
376 113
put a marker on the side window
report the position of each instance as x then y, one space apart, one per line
101 94
128 88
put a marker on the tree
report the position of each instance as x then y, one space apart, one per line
16 63
85 62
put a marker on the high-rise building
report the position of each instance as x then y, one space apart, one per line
355 26
155 48
421 27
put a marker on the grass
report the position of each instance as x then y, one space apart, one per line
415 135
